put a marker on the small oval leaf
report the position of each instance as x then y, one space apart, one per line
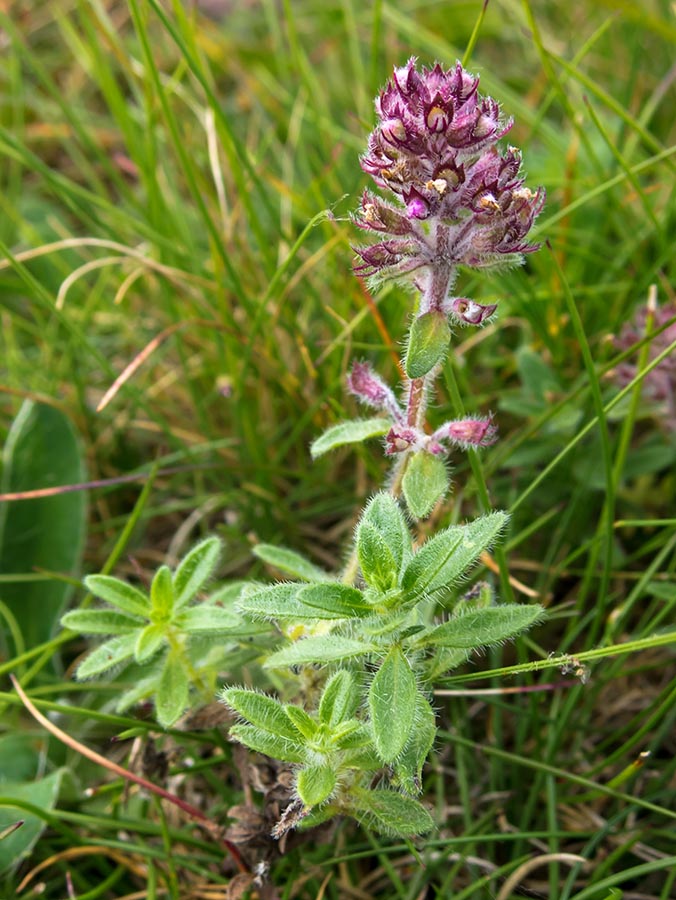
424 483
352 432
428 343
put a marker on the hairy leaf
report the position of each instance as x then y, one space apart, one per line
303 723
340 698
107 656
119 593
384 515
428 343
424 483
378 565
482 627
351 432
148 642
172 692
280 602
391 813
408 769
100 621
334 600
261 711
319 649
315 784
208 619
290 562
195 569
162 596
448 555
392 699
270 744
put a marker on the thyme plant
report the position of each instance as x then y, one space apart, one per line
354 655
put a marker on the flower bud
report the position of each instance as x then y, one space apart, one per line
469 312
467 433
371 390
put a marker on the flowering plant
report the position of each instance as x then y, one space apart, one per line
353 656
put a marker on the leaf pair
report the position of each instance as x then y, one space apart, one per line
156 627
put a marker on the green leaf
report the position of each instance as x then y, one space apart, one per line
428 343
100 621
270 744
318 649
303 723
352 432
162 596
315 784
351 735
424 483
149 642
195 569
42 794
280 601
408 770
172 692
114 652
290 562
448 555
42 450
334 600
118 593
260 710
392 700
390 812
377 563
385 516
207 619
482 627
340 698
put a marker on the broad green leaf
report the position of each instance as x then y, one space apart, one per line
304 723
334 600
315 784
195 569
207 619
42 794
377 563
162 596
270 744
100 621
339 699
290 562
172 692
280 602
444 660
118 593
428 343
392 700
447 556
114 652
385 516
19 757
424 483
260 710
408 769
318 649
483 627
149 642
351 432
390 812
42 450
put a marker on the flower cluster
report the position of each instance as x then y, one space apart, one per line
460 201
404 436
659 385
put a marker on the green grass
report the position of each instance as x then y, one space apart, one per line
167 178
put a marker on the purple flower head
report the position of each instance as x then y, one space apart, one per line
462 201
659 386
